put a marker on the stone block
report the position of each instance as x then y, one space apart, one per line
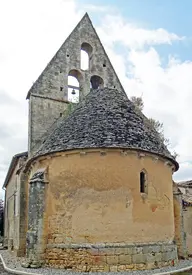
141 266
112 260
137 250
93 251
100 259
150 265
125 259
152 248
113 268
139 258
168 248
121 268
107 251
153 257
120 250
167 256
106 268
129 266
130 250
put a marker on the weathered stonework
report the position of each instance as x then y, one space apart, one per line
48 95
188 228
180 235
109 202
23 213
186 198
96 219
35 242
110 257
15 215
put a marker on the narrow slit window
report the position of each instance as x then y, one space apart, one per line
142 182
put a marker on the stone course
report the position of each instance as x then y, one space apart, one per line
110 257
15 263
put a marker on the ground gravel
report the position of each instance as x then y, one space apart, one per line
2 271
15 263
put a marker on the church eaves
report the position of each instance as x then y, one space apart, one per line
105 119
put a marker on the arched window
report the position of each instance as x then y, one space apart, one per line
96 82
74 77
84 60
86 52
143 182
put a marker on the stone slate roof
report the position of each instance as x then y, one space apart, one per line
106 118
186 184
12 166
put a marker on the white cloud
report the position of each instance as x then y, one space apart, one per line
117 29
97 8
31 33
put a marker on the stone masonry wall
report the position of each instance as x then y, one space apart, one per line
93 200
48 95
95 197
180 235
43 113
110 257
35 240
15 215
23 213
187 213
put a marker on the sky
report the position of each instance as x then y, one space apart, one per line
149 43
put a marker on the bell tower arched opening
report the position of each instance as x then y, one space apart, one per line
86 52
96 82
74 79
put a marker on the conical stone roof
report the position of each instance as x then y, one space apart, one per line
106 118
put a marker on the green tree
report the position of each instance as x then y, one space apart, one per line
159 128
138 102
157 125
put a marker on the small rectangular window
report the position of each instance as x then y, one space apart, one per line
142 182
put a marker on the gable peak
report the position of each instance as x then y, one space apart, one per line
86 15
85 18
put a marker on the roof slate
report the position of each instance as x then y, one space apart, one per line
12 166
106 118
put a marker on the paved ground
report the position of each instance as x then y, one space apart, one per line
2 271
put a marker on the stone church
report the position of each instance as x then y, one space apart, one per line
94 192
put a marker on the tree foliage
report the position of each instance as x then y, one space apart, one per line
138 102
159 128
157 125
